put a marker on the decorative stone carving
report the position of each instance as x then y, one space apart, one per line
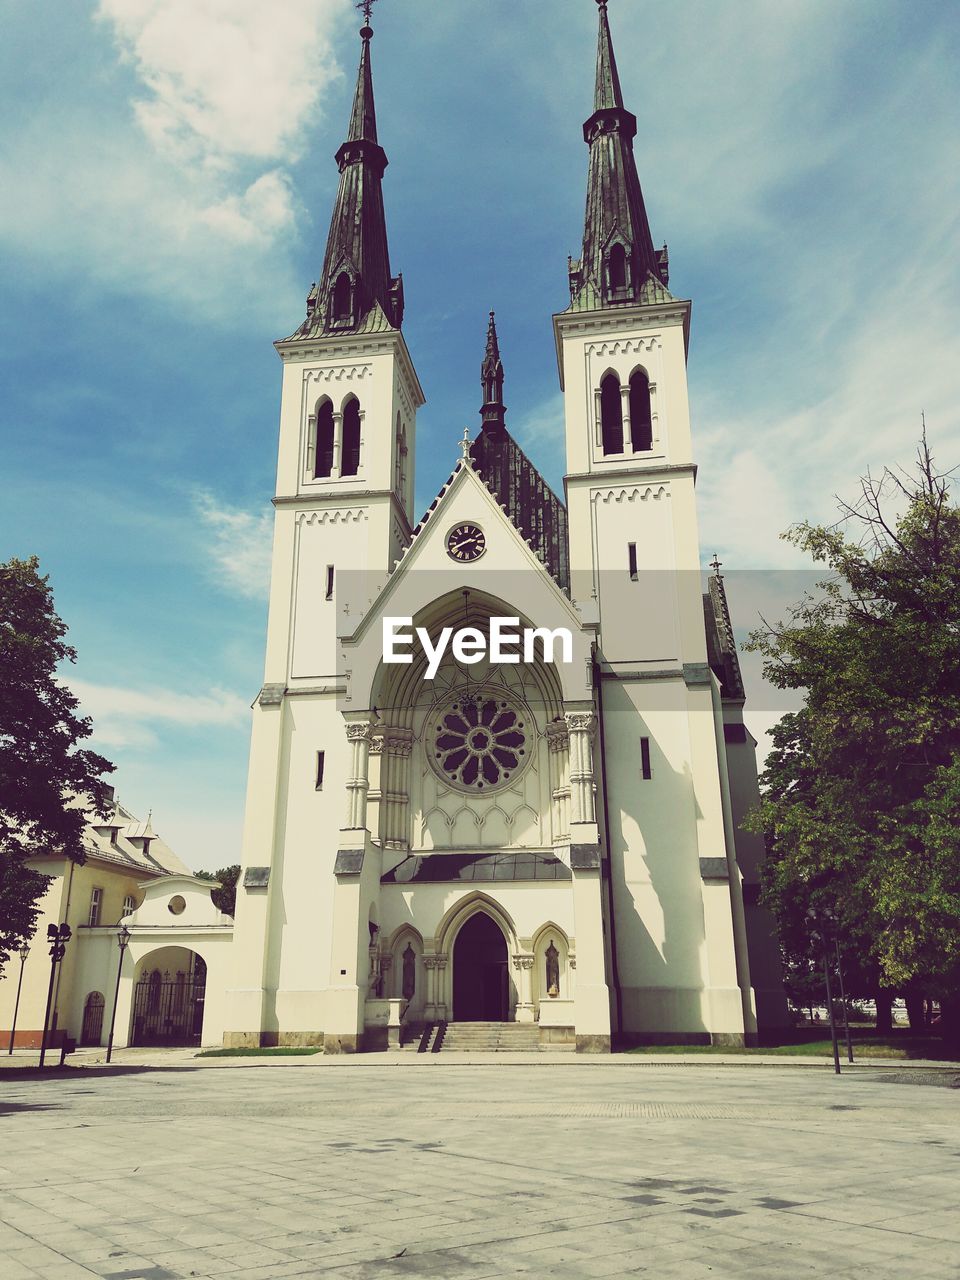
580 725
359 735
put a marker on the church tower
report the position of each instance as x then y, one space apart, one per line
345 482
676 905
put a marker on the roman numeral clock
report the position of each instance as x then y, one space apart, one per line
466 542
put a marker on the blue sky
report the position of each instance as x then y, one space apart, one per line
168 176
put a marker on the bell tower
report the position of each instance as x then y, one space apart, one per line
344 502
635 566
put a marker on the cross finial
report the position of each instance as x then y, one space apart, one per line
716 564
366 8
465 444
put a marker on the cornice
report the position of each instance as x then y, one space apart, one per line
620 475
615 321
353 346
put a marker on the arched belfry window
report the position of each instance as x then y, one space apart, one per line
611 415
350 449
342 305
617 268
641 419
323 458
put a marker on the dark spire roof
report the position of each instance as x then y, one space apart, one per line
356 291
619 265
511 477
492 411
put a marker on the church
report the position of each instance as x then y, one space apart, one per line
461 844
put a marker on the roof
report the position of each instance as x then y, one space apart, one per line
445 868
721 642
136 847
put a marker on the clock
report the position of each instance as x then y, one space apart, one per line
466 542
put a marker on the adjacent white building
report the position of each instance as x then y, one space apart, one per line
553 844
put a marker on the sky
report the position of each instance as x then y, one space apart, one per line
167 175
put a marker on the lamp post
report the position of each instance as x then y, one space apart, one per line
58 936
818 937
24 952
123 937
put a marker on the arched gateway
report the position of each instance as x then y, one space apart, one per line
480 978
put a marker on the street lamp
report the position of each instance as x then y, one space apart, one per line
58 936
123 937
24 952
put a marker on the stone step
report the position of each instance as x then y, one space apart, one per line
491 1037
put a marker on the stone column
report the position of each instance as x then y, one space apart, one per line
398 745
580 725
557 744
523 964
337 443
627 427
430 1003
443 1009
358 737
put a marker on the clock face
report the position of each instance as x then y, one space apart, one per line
466 542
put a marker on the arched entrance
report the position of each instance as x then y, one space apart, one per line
168 998
480 978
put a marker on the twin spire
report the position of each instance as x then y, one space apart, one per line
619 265
356 292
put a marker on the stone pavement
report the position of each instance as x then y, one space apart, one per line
446 1169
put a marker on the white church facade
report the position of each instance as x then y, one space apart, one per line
545 844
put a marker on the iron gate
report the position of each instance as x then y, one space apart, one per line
92 1019
168 1011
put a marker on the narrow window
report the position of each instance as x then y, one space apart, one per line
645 759
611 415
618 268
328 593
342 311
632 560
350 452
96 897
323 461
641 423
319 783
129 905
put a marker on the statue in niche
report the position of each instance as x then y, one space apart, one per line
553 971
409 973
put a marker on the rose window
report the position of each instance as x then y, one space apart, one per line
479 742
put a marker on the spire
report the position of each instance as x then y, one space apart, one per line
356 290
492 411
619 265
608 92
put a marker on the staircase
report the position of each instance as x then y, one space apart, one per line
491 1037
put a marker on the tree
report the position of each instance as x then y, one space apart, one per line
224 898
46 778
861 791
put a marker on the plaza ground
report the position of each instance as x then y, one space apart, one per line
442 1168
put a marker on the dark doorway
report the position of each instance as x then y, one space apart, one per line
480 981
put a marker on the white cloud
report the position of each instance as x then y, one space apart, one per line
240 547
135 717
225 78
182 189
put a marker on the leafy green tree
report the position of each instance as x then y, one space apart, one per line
861 791
43 770
224 898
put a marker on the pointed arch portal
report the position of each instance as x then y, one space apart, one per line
480 977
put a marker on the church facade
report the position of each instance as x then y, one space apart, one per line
546 837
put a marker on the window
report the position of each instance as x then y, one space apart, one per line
328 589
350 452
319 782
611 415
342 306
323 457
632 560
129 905
641 422
645 759
96 899
617 268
